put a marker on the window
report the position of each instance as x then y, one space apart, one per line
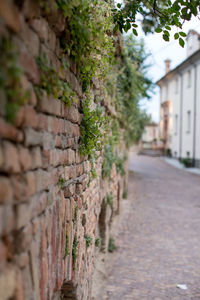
189 78
188 121
176 124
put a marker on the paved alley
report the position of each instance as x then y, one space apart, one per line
159 237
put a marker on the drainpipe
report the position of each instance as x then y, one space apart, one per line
195 113
181 117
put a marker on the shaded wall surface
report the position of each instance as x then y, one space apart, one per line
51 212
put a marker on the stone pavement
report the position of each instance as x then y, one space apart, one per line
159 236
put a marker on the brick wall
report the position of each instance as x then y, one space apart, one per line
48 209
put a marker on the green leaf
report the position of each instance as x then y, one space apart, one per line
135 25
135 32
168 27
158 30
176 36
166 37
181 42
182 33
119 5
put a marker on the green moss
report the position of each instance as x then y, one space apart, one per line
52 84
74 251
109 199
61 182
66 245
97 242
10 79
75 215
111 245
88 241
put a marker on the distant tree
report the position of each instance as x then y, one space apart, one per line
156 15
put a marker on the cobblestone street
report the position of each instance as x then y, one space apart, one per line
159 237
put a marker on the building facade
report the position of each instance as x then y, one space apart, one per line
179 128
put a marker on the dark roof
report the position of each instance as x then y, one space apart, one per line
188 61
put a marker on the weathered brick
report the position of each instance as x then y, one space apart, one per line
23 214
6 192
19 292
11 158
3 256
7 283
36 157
24 158
31 9
50 105
23 239
69 156
7 219
40 26
33 137
10 14
69 190
9 132
30 38
29 65
79 170
22 260
72 114
48 141
30 184
30 117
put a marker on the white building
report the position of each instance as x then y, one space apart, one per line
150 136
180 104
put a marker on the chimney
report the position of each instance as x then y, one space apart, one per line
167 65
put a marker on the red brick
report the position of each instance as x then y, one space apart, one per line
11 158
30 117
6 193
9 132
24 158
10 14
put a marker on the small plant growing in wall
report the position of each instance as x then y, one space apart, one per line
125 194
97 242
75 215
74 251
10 79
61 182
111 245
66 245
109 199
88 241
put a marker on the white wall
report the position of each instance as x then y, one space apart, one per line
198 114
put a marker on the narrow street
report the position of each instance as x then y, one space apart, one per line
159 237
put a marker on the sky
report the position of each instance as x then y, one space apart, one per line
161 50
